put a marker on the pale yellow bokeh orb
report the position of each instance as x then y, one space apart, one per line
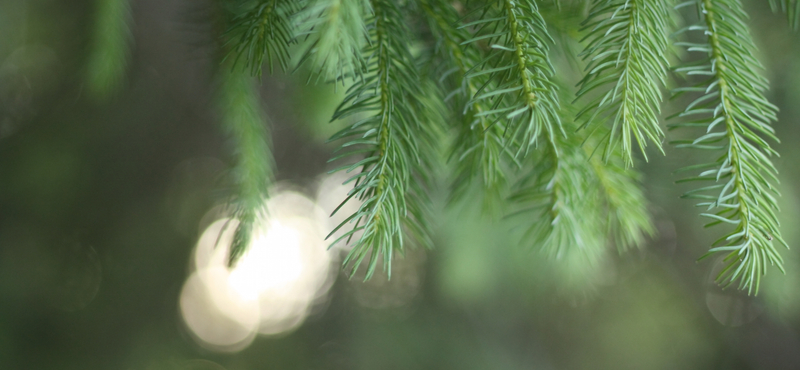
284 273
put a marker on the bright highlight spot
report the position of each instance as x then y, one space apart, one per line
227 328
274 286
273 260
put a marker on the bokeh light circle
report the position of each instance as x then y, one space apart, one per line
273 287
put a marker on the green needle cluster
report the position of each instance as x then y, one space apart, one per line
733 115
486 82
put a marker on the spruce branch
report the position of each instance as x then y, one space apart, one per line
579 202
628 221
791 8
111 46
627 64
560 202
385 142
258 30
624 207
479 148
518 89
732 109
337 32
245 122
494 74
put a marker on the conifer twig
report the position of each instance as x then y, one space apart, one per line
337 32
519 89
244 120
627 63
732 109
261 30
479 148
388 170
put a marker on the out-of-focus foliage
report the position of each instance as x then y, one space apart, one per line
338 33
493 66
260 32
102 204
243 118
110 53
479 148
791 8
387 144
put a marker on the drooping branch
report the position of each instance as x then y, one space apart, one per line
732 109
519 87
627 63
386 144
245 122
479 148
261 31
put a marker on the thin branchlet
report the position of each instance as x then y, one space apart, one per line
261 31
479 149
389 179
577 203
245 123
734 112
628 221
336 34
519 88
556 199
627 63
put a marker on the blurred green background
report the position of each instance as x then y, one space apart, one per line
102 202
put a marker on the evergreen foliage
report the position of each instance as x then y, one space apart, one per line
338 32
627 62
731 109
519 88
260 31
109 54
791 8
558 192
566 183
386 142
244 120
478 150
487 68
